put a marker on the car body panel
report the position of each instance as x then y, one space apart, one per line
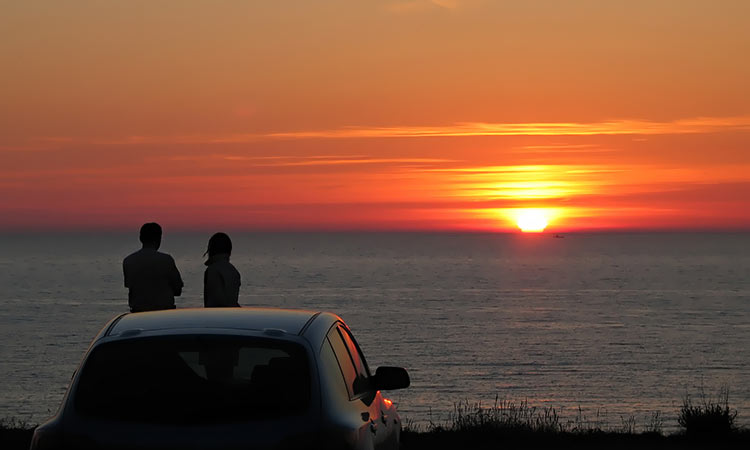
290 321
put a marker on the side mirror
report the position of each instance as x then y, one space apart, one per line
387 378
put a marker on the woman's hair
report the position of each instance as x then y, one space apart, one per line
218 244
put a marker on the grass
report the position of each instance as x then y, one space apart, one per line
704 423
707 418
506 415
507 424
15 434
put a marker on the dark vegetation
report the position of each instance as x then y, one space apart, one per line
704 423
15 434
706 417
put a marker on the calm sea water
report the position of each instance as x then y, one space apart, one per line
608 326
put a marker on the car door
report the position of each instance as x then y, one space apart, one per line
364 400
372 397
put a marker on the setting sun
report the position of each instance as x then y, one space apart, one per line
532 220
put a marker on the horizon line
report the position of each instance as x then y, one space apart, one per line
190 230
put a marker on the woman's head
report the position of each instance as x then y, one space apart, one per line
218 244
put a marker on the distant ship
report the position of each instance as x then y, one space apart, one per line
558 236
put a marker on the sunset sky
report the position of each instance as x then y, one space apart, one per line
374 115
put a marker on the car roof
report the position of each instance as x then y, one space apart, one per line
260 319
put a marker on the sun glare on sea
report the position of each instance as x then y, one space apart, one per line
532 220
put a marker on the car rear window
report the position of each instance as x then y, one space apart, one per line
204 379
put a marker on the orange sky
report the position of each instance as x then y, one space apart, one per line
414 114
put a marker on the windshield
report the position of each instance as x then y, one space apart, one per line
194 379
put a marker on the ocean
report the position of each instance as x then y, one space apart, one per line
605 328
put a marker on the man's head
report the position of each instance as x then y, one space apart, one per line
151 235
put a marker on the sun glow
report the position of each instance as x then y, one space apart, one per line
532 220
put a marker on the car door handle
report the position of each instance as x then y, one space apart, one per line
373 427
365 416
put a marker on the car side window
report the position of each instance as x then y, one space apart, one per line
356 354
345 362
330 362
351 362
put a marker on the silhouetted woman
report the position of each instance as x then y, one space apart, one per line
221 282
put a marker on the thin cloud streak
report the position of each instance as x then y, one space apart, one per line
413 6
700 125
331 162
554 149
558 147
231 157
616 127
566 182
315 160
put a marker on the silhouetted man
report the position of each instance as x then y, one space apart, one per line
151 276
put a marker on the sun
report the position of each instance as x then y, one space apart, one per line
532 220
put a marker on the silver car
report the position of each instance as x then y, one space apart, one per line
222 378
